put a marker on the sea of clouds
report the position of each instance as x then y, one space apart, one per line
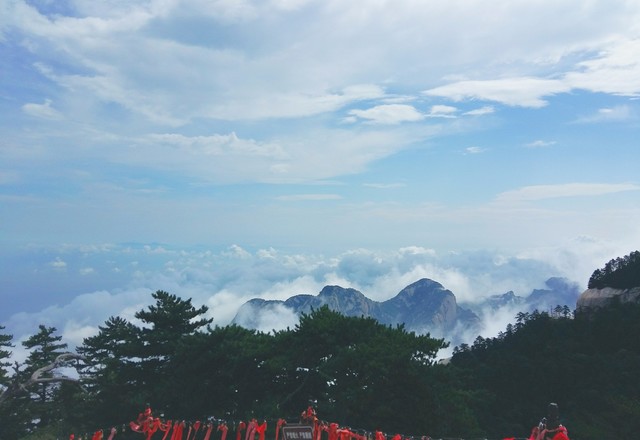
76 288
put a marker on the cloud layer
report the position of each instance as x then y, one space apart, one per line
224 280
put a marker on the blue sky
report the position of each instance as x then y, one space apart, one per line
230 149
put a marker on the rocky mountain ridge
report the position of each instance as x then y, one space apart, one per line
424 306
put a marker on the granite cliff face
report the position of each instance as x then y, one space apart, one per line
592 299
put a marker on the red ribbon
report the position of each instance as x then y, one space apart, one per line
333 431
278 426
224 428
261 429
177 431
165 428
208 433
251 430
241 427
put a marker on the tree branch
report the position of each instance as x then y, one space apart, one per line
62 360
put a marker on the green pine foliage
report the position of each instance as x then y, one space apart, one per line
588 365
619 273
5 354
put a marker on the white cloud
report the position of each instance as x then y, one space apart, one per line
485 110
224 282
58 264
389 114
540 143
289 63
237 252
442 111
517 91
615 70
474 150
541 192
44 111
274 317
301 155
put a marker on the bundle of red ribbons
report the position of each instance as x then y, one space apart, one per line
148 425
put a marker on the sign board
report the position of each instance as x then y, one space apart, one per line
297 432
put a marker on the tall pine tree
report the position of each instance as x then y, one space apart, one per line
165 326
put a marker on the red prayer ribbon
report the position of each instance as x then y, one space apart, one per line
278 426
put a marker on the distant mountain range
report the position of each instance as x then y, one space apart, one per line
424 306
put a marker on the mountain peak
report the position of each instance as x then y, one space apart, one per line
423 284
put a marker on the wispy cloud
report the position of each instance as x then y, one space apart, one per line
385 185
540 144
442 111
619 113
541 192
614 70
486 110
517 91
474 150
308 197
389 114
44 111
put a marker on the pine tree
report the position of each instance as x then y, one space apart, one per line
5 355
45 347
113 373
166 325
